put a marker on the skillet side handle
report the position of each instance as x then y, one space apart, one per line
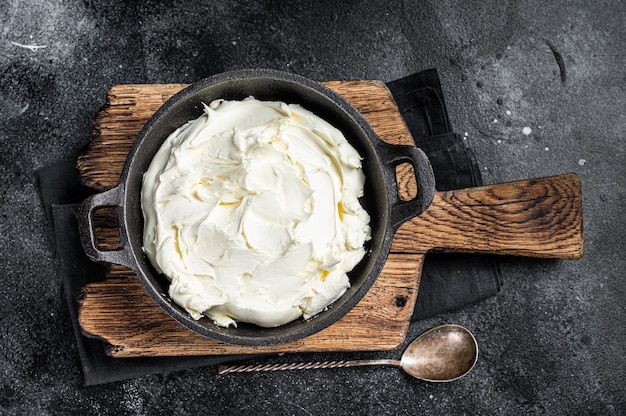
394 155
540 217
86 227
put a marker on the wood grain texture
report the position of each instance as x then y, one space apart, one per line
121 312
128 108
114 129
537 217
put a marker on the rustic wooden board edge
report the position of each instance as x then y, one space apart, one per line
105 303
541 217
135 104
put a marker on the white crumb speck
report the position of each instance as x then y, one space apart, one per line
527 130
582 162
499 141
546 148
495 120
508 112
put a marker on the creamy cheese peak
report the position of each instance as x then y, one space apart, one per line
252 212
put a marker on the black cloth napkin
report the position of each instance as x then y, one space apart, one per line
449 281
61 191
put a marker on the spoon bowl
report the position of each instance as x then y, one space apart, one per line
441 354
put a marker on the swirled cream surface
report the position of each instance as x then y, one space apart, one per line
252 212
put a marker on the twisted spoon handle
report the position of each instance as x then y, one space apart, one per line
225 369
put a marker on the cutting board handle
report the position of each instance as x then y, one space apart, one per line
536 218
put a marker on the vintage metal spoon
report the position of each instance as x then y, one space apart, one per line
443 353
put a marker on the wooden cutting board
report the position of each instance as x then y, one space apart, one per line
537 217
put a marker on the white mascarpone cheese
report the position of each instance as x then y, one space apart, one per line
252 212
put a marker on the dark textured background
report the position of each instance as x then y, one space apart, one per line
551 342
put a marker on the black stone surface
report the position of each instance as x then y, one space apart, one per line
551 342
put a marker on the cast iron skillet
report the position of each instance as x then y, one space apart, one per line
381 199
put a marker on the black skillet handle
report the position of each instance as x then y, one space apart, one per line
394 155
88 238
